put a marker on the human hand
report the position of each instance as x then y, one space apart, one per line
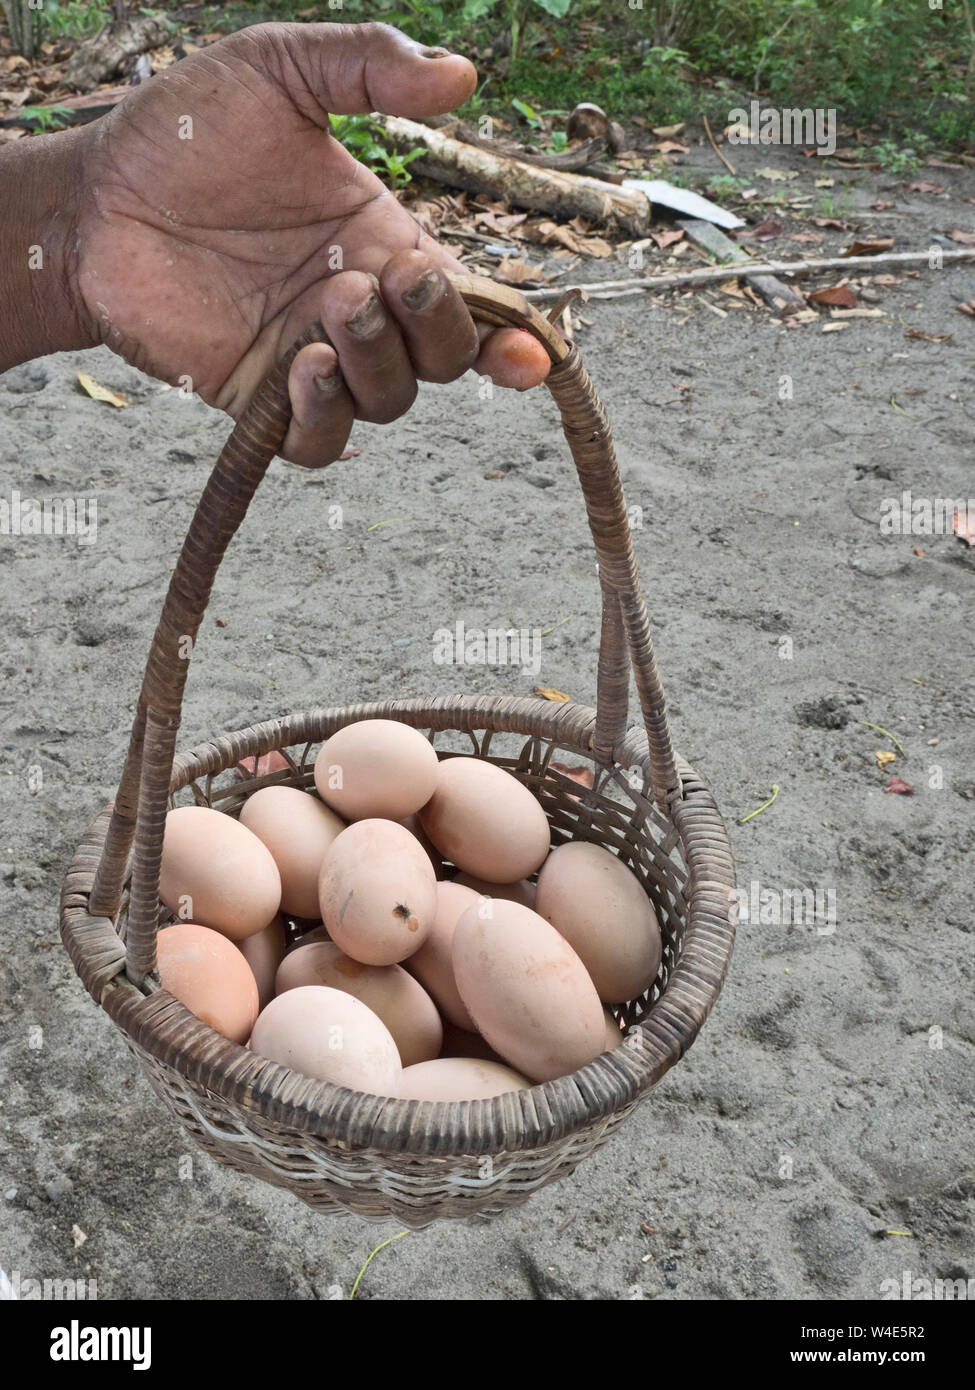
219 218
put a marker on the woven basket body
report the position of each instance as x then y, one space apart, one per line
378 1157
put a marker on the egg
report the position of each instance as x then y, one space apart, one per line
614 1033
602 910
377 892
331 1036
527 991
521 892
264 952
412 824
459 1078
208 974
297 830
216 872
395 997
485 821
459 1042
433 965
376 768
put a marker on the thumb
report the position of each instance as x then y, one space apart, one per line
356 68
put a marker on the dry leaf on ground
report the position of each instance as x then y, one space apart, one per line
868 248
512 272
841 296
100 393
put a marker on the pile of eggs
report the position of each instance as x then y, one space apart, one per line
405 982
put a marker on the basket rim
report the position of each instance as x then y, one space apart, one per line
549 1111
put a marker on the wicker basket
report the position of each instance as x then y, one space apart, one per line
340 1150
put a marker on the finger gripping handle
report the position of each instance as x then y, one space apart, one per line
139 814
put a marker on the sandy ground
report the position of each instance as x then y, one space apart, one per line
828 1103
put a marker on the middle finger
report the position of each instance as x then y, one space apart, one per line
375 363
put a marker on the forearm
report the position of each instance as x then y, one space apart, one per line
40 182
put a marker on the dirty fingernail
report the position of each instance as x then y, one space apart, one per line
426 290
329 383
368 320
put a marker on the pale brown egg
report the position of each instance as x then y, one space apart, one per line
297 830
331 1036
208 974
602 910
400 1001
216 872
376 768
485 821
377 892
459 1078
459 1042
527 991
614 1033
412 824
521 892
433 963
264 952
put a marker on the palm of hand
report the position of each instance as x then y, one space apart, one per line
188 274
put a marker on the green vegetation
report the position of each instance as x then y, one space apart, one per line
363 138
896 67
47 117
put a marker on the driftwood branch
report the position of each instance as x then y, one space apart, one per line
713 275
100 57
553 191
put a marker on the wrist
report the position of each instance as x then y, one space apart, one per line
41 311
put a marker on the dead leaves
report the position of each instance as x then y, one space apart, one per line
547 693
100 393
838 296
967 306
924 187
766 231
668 236
928 337
963 238
549 233
514 272
869 248
899 787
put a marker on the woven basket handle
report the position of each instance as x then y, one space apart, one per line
139 813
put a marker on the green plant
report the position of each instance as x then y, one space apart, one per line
74 19
892 158
47 117
362 137
725 185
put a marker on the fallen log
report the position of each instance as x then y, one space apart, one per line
713 275
97 59
524 185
